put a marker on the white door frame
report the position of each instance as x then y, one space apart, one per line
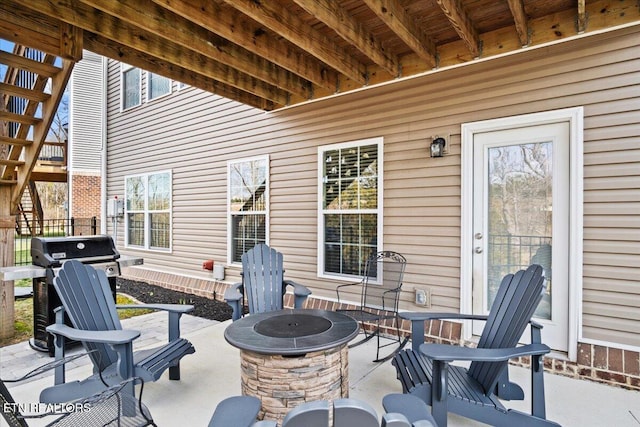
575 118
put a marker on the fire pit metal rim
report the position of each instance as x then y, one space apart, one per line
244 335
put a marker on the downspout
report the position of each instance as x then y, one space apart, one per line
103 151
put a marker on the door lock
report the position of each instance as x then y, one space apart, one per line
478 236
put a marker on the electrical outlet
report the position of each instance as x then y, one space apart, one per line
423 297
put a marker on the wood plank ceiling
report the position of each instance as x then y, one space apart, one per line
274 53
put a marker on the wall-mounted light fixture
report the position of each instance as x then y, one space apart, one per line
437 147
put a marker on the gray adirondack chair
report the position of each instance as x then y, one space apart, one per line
425 370
263 283
379 293
346 413
86 298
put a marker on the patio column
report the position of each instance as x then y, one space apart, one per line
7 259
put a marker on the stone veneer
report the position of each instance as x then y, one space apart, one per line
284 382
598 363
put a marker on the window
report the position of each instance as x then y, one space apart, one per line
248 182
157 86
350 206
130 86
148 211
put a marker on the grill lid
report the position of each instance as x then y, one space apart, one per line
52 251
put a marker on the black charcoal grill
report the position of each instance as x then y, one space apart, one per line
51 253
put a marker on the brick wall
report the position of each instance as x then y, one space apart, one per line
86 196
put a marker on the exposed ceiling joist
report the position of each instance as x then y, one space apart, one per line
390 12
461 22
279 19
269 54
170 26
520 20
339 20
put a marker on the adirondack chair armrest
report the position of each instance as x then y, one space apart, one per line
418 319
450 353
113 337
298 289
234 292
233 296
174 308
300 292
424 316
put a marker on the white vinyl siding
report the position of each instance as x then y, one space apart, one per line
421 194
86 113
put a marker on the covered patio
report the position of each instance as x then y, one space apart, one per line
213 374
324 71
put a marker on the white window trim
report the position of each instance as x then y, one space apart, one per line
147 229
575 117
148 77
379 141
266 202
124 68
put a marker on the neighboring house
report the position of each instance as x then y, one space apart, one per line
86 136
331 181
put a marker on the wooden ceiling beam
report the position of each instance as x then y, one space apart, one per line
80 15
520 20
235 27
340 21
462 24
111 49
168 25
26 27
405 27
279 19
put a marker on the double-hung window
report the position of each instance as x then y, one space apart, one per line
148 211
350 206
247 205
130 90
157 86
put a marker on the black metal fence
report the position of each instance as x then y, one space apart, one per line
52 228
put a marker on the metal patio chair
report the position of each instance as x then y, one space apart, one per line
111 406
379 293
86 298
263 284
425 370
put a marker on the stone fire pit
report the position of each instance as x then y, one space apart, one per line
293 356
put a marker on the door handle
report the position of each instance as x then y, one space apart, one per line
478 249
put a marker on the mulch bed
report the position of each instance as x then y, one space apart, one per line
152 294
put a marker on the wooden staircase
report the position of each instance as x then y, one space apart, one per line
30 93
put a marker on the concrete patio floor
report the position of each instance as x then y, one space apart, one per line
213 373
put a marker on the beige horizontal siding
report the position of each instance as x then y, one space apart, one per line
194 134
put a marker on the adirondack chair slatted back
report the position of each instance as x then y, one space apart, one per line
383 272
86 296
514 305
262 277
